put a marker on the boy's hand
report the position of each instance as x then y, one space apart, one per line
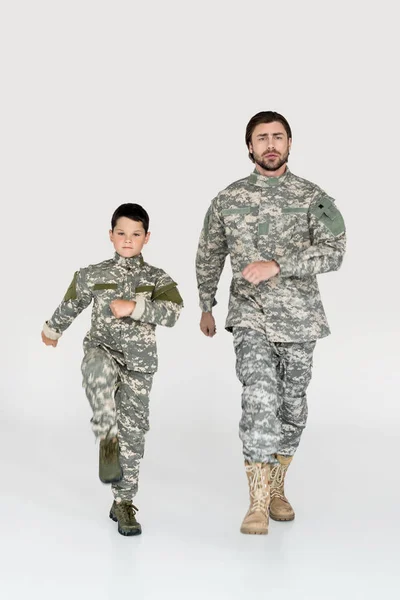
122 308
48 341
262 270
207 324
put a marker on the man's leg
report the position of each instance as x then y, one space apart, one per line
132 402
295 368
256 368
259 430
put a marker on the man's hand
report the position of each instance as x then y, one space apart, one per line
262 270
122 308
48 341
207 324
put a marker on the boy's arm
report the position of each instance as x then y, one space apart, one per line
328 236
76 299
163 308
210 258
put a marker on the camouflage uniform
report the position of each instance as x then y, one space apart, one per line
292 221
120 354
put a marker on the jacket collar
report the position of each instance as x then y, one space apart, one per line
267 182
134 262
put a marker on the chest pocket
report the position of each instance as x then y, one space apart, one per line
103 293
241 229
104 286
294 221
240 222
146 291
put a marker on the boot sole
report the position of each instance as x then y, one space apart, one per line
274 518
246 532
121 531
112 480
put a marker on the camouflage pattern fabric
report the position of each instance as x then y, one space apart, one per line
132 338
287 219
275 377
120 402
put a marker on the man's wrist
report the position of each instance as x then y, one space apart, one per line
277 266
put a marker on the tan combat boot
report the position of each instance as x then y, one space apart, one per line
256 519
280 508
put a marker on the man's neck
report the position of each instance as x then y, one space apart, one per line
276 173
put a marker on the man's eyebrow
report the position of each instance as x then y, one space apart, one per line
260 135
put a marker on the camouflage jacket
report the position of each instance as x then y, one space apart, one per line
129 339
286 219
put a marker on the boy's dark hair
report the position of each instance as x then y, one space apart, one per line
267 116
131 211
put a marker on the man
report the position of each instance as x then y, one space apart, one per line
280 232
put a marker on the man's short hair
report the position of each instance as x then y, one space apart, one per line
131 211
267 116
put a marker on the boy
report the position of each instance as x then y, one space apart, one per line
120 354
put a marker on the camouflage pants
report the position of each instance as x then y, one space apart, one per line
275 377
120 402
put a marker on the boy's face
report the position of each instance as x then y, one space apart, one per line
128 237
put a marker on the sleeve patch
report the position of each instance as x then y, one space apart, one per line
326 212
71 294
168 293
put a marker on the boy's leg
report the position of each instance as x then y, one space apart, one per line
132 403
100 375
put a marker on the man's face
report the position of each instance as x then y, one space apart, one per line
128 237
270 146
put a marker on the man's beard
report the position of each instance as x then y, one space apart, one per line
271 165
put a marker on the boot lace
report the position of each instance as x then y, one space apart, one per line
259 490
277 479
128 511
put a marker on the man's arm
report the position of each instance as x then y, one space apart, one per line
328 236
76 299
210 259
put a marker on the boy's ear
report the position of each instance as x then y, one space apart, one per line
110 234
146 239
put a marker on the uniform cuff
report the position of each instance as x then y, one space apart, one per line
139 308
51 333
284 266
207 306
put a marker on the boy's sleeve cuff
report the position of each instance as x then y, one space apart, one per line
139 308
51 333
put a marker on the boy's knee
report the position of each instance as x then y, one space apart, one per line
98 361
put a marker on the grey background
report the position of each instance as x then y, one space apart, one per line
111 102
